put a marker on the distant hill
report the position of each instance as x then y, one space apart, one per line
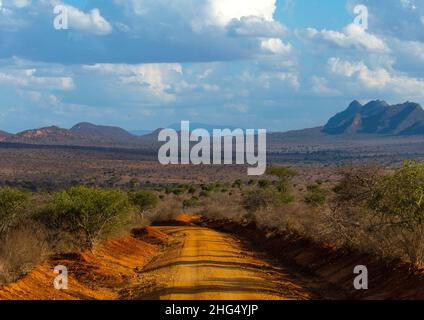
102 133
357 125
4 135
378 117
47 135
82 134
140 133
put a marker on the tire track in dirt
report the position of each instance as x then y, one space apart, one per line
203 264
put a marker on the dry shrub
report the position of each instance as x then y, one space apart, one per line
222 206
296 217
21 249
381 212
368 233
347 227
168 209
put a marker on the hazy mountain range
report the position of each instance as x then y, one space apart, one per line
376 118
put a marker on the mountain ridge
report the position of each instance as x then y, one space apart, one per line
375 118
378 117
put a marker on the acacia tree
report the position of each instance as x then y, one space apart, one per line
283 184
385 208
400 196
143 200
92 212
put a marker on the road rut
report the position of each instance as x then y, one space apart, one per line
203 264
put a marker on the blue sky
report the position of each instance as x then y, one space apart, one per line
143 64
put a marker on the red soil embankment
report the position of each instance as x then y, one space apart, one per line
334 266
92 275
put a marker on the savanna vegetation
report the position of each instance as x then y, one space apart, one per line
366 208
35 225
369 208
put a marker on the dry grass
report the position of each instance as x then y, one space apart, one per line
349 226
21 249
168 209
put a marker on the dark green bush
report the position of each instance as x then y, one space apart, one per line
143 200
264 183
92 212
238 183
13 205
317 196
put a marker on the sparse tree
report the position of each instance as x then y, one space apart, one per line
92 212
284 176
144 201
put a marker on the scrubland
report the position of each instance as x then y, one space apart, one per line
364 207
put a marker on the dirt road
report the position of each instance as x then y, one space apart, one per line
205 264
192 262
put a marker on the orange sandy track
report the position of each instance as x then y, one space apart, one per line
185 262
203 264
98 275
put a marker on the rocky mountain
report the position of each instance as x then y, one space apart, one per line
378 117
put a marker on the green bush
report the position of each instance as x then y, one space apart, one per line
284 175
143 201
317 196
192 190
13 203
92 212
178 191
283 184
192 202
400 196
387 207
264 183
238 183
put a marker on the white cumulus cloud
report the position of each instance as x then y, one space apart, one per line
27 78
276 46
91 22
378 78
158 78
223 11
352 37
